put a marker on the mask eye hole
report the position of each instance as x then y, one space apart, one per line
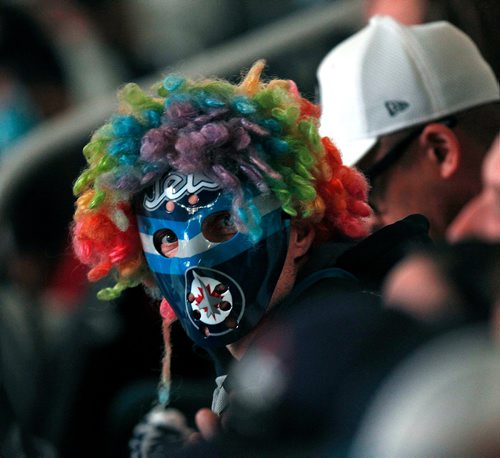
219 227
166 243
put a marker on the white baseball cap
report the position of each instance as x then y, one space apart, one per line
389 76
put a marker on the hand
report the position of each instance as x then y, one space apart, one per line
208 424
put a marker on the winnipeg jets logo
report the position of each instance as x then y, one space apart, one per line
210 299
175 186
215 303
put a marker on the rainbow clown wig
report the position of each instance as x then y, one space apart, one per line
262 133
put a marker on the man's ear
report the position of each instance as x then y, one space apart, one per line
301 237
442 147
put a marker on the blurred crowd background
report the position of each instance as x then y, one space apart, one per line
76 373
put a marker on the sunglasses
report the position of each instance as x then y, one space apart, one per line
396 152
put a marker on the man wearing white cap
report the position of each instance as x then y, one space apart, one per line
415 108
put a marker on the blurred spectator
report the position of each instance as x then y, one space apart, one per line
480 218
443 401
454 284
461 280
420 139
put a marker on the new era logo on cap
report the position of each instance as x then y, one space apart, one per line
395 107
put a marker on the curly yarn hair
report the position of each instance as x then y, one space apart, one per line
261 133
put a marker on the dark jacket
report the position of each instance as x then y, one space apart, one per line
308 376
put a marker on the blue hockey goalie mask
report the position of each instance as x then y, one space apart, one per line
218 281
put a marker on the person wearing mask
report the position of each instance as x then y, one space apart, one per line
223 200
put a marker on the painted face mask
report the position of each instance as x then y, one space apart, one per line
217 280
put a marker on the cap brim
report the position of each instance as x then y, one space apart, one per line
352 151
